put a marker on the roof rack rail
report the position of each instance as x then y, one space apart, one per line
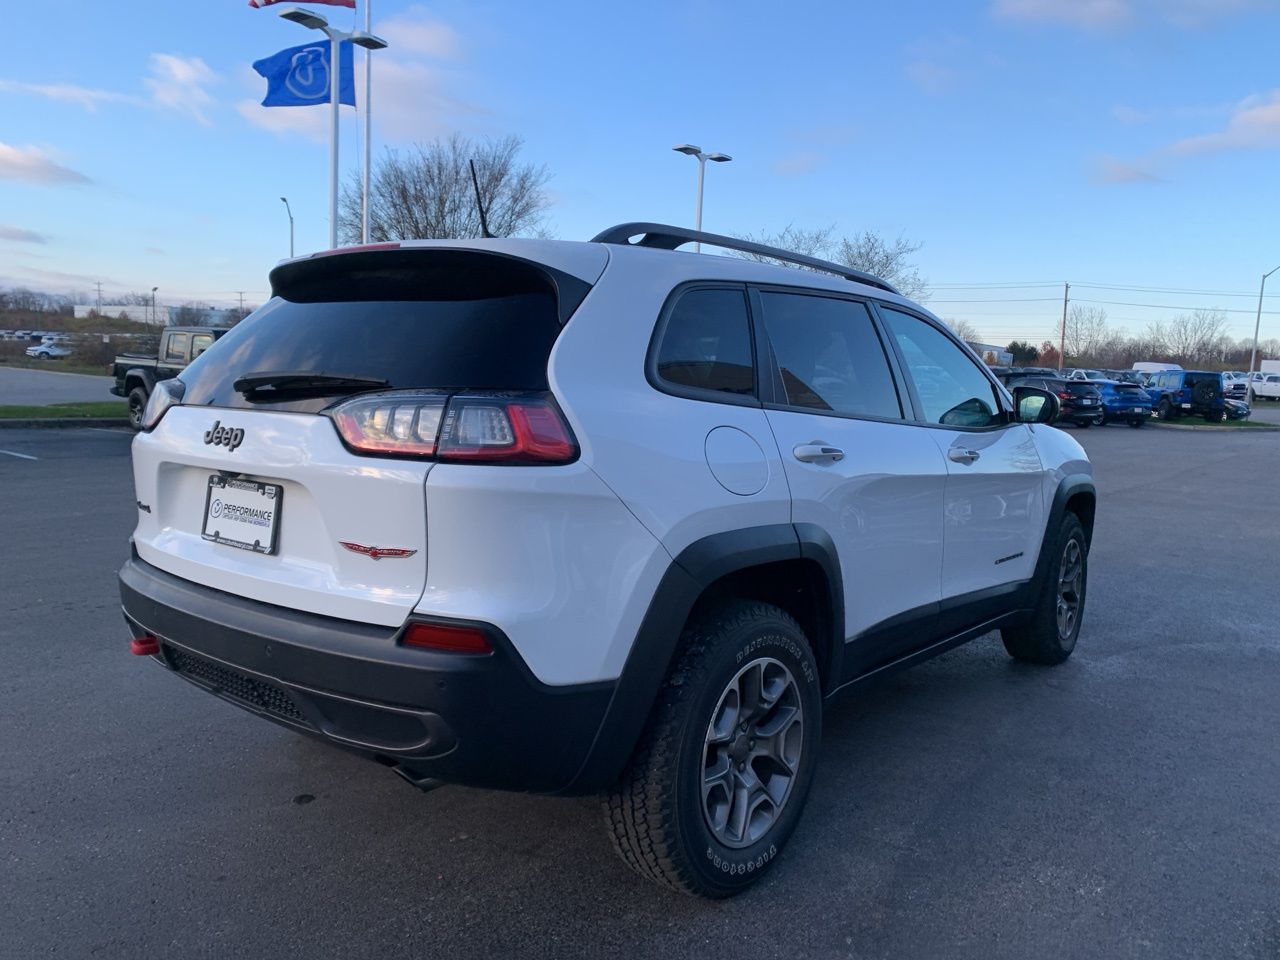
665 237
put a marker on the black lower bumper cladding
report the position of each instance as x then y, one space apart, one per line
482 720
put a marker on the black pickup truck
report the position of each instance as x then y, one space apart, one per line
137 373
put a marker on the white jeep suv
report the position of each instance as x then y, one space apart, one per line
595 518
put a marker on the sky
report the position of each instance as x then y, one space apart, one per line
1127 146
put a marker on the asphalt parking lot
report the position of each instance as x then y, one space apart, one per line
1126 804
20 385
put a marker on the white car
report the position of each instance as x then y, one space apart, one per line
49 350
1267 387
596 518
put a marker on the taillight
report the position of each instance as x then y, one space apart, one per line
165 394
449 638
523 430
405 423
1065 395
483 428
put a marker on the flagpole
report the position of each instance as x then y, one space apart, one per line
335 76
368 125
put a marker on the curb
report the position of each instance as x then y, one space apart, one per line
46 423
1258 427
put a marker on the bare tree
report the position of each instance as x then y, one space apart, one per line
965 330
426 192
1196 337
192 314
867 251
1086 329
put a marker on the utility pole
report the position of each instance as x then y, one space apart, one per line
1062 338
99 298
241 293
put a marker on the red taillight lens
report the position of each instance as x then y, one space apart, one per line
482 428
1064 395
447 638
402 422
146 645
506 430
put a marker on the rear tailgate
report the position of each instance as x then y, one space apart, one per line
328 496
307 522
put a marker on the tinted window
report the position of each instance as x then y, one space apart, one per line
706 343
829 355
445 321
176 348
952 390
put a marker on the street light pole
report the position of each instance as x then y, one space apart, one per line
690 150
368 126
361 38
154 315
285 201
1257 324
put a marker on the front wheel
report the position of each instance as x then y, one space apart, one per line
720 776
1164 411
1049 635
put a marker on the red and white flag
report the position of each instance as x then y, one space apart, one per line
331 3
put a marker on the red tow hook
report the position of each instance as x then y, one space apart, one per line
144 646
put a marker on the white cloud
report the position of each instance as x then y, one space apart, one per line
411 100
931 77
87 97
414 31
34 165
178 83
1091 14
1111 170
799 164
1255 123
19 235
1114 14
309 122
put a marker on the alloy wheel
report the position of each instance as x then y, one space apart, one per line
1070 588
751 753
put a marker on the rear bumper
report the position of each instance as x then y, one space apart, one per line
479 720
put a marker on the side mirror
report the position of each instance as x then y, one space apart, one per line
1034 405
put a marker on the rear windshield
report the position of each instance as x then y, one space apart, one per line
445 321
1078 389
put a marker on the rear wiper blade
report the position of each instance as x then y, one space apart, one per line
297 381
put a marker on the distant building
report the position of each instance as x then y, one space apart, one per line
992 355
159 315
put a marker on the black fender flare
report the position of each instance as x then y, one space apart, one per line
148 378
1068 487
695 569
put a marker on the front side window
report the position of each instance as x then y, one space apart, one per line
176 349
706 343
953 392
829 356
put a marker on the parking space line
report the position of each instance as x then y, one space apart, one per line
23 456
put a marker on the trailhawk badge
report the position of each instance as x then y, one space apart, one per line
377 553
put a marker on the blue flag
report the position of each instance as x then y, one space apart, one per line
299 76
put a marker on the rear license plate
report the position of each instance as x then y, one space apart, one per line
243 514
1138 410
1088 402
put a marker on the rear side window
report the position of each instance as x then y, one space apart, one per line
829 356
706 343
439 320
176 348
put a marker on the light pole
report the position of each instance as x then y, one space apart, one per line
690 150
360 38
1253 355
285 201
154 317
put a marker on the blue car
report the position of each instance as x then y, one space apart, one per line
1123 402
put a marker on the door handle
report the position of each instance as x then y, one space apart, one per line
817 453
962 455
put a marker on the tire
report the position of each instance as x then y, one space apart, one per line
1137 422
1046 637
656 814
1164 410
1220 417
137 404
1083 424
1102 419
